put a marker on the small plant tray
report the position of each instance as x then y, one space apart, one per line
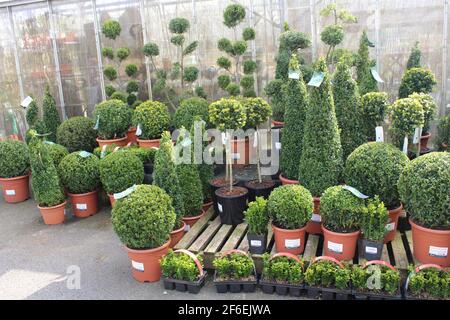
183 285
282 289
235 286
359 295
328 293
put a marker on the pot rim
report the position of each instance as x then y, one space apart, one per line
79 195
188 218
148 140
248 182
286 179
347 234
117 139
152 250
131 129
231 196
54 207
16 178
221 186
415 225
288 230
180 229
399 209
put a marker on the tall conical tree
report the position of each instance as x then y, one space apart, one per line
347 103
414 57
365 80
50 115
32 114
296 101
321 160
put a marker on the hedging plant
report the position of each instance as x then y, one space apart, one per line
79 175
153 118
405 114
389 280
145 218
414 57
296 106
114 119
328 274
423 188
429 107
77 134
374 169
374 107
188 110
120 171
290 206
374 218
283 270
14 159
364 77
348 109
442 140
418 80
257 216
234 266
429 283
50 115
321 158
180 266
341 210
57 152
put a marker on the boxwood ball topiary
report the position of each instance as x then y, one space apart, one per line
418 80
14 159
223 81
374 107
153 118
77 134
78 174
332 35
179 25
248 34
405 114
119 171
111 29
257 111
188 110
429 107
151 49
233 15
290 206
57 152
374 169
131 69
227 114
145 218
114 119
424 189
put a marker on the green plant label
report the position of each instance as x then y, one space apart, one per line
316 79
97 123
138 130
335 247
124 193
375 74
84 154
294 74
355 192
292 243
379 134
405 145
26 102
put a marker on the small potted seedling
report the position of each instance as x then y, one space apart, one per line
283 273
235 272
427 282
257 219
183 271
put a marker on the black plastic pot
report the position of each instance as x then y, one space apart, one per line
231 207
370 250
376 296
234 286
183 286
148 178
215 187
281 289
257 244
259 190
148 168
328 293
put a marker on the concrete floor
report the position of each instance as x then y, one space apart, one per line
36 260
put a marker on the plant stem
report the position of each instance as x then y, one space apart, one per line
258 165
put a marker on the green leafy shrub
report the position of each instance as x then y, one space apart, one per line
290 206
239 48
144 154
321 158
374 107
111 29
180 266
150 49
123 53
77 134
275 92
120 171
108 52
50 115
131 69
190 74
227 114
78 174
249 66
32 114
234 266
110 73
114 119
332 35
364 78
389 279
233 15
429 107
414 57
327 274
153 118
418 80
57 152
429 283
374 219
188 110
374 169
257 217
405 114
14 159
233 89
179 25
257 111
247 81
443 134
283 270
423 188
341 210
145 218
223 81
225 45
224 62
109 90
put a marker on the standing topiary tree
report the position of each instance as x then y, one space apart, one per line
364 77
321 159
374 106
405 115
348 109
418 80
296 101
429 107
414 57
50 115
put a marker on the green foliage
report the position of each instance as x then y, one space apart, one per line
290 206
249 66
225 45
118 95
144 219
414 57
341 210
132 86
405 114
32 114
423 188
57 152
321 157
257 111
131 99
190 74
389 279
179 25
344 55
190 48
78 174
150 49
188 110
223 81
275 92
257 217
364 78
131 69
123 53
109 89
283 270
177 40
77 134
418 80
114 119
348 109
179 266
234 266
200 92
14 159
290 42
224 63
327 274
227 114
443 134
233 15
239 48
110 73
233 89
144 154
119 171
39 127
332 35
111 29
153 117
429 107
249 93
248 34
374 169
374 107
108 52
50 115
374 219
428 283
247 81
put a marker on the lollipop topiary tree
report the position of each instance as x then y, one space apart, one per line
374 107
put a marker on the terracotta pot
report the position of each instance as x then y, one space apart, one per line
207 205
145 263
277 123
131 135
120 142
111 200
424 141
176 235
393 223
240 150
314 226
53 215
148 144
292 241
190 221
84 204
15 189
431 246
341 246
285 181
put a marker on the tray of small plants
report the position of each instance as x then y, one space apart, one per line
182 271
282 273
235 272
427 282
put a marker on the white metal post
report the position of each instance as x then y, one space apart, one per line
99 49
145 38
253 43
312 11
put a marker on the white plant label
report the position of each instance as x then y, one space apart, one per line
10 192
379 133
84 154
355 192
417 134
390 226
219 206
292 243
375 75
235 156
294 74
65 212
26 102
255 140
124 193
187 227
97 123
278 145
405 145
224 138
439 252
139 266
138 130
316 217
103 153
371 250
81 206
335 247
255 243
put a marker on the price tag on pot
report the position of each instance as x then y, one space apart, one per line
138 130
438 252
97 123
417 134
316 217
26 102
278 145
81 206
390 227
335 247
139 266
371 250
292 243
355 192
405 145
375 74
256 243
84 154
10 192
219 206
124 193
316 79
294 74
379 134
187 228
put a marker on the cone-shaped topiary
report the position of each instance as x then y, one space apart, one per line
188 110
153 118
14 159
114 119
364 78
50 115
57 152
418 80
32 114
321 160
296 106
374 107
80 174
414 57
347 103
77 134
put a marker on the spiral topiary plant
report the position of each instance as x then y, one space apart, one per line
14 159
188 110
153 118
50 115
77 134
78 174
418 80
114 119
374 107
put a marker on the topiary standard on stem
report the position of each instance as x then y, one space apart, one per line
347 103
429 107
296 106
374 107
321 159
77 134
414 57
364 78
50 115
418 80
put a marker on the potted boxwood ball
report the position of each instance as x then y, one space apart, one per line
113 118
151 118
427 282
188 110
14 170
374 168
290 207
80 175
77 134
120 171
424 189
143 221
147 157
341 212
257 219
